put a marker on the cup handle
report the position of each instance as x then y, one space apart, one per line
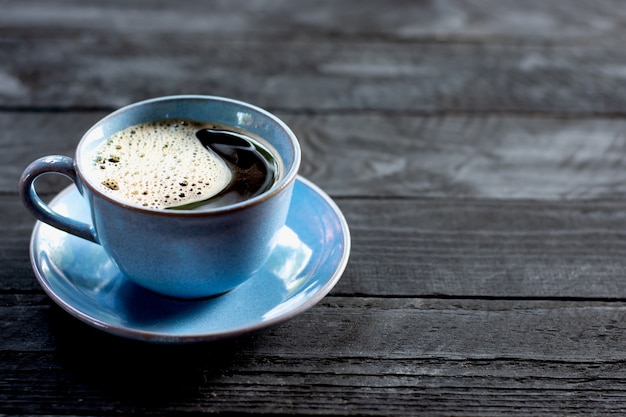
55 164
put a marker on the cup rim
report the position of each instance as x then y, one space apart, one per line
288 178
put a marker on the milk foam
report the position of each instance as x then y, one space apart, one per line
159 165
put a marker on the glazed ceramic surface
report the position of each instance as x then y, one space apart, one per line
180 253
308 260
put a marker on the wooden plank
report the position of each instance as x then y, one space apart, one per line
464 157
493 157
501 21
368 327
410 356
465 248
111 71
442 248
433 388
28 136
422 392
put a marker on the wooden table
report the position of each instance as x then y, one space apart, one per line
476 148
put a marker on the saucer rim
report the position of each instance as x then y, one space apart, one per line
159 337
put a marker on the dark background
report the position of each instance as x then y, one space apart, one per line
476 148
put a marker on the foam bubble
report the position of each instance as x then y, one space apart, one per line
158 165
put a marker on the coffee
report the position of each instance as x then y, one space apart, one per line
236 152
253 166
183 164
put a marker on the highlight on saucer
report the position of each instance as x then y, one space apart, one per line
159 165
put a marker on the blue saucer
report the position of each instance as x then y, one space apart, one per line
310 257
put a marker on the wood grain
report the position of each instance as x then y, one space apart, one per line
444 248
456 56
587 22
492 157
371 327
111 71
409 356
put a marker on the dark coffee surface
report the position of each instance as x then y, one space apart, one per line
182 164
253 166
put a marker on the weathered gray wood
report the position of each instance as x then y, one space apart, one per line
468 248
415 57
404 388
494 21
362 328
407 356
445 248
111 71
28 136
464 157
350 156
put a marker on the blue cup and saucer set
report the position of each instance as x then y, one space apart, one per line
186 276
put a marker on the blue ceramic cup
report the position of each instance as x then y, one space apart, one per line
178 253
